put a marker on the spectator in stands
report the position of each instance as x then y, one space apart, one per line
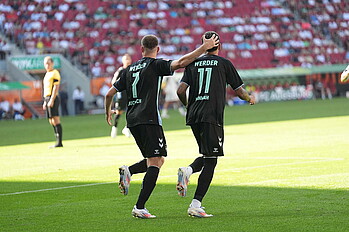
79 98
267 24
40 46
96 70
18 110
3 78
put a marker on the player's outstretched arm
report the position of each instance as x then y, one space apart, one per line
107 105
345 74
243 94
190 57
181 92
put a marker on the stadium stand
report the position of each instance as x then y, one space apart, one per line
94 34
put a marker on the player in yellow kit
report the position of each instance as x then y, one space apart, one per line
51 83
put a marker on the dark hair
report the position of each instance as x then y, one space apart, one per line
208 35
150 41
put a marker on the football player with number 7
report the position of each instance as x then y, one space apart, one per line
142 82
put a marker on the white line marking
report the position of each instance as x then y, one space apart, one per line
160 177
50 189
68 187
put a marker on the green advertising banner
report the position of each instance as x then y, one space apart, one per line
12 86
34 63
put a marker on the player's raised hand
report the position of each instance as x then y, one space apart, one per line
211 42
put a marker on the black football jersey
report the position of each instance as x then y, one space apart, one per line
121 97
142 82
207 78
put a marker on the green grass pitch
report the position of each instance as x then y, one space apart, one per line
286 168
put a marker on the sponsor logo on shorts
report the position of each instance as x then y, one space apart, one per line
215 150
161 144
220 142
156 152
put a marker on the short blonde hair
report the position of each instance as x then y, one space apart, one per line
48 58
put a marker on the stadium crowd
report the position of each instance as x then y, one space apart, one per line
94 34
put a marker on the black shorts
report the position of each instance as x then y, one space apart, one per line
54 111
150 140
209 137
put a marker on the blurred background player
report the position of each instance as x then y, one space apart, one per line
207 78
120 98
142 82
171 84
51 83
345 74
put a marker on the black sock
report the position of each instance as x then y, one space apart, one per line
59 134
56 134
205 178
116 119
54 129
197 164
148 186
139 167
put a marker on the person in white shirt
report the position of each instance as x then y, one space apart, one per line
78 97
18 110
4 109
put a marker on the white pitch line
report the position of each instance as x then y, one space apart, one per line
50 189
67 187
160 177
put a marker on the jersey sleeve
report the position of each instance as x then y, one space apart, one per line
233 77
56 78
164 67
120 84
116 75
186 76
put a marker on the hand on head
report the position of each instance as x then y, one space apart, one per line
210 42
